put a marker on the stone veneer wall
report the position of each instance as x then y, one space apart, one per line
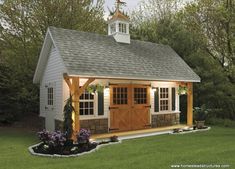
162 120
96 126
58 125
42 123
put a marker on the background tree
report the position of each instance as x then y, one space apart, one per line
214 20
23 24
201 32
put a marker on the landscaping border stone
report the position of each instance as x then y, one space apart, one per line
192 131
72 155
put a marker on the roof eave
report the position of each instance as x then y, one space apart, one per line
135 78
47 42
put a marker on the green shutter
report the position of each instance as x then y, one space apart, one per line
173 98
100 103
156 100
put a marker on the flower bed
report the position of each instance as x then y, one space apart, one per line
56 144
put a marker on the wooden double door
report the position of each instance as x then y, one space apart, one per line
129 107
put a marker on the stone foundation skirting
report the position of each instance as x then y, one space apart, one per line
96 126
42 123
58 125
162 120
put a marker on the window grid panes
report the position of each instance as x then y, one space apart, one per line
50 96
140 95
164 99
120 95
86 104
122 27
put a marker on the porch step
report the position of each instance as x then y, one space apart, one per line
137 134
144 135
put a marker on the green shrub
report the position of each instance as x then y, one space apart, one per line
200 113
7 118
220 122
68 121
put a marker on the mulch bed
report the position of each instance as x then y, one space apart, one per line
64 150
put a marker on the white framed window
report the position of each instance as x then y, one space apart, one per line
122 27
113 28
164 99
87 104
50 96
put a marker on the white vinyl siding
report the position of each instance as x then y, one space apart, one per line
95 115
168 85
53 74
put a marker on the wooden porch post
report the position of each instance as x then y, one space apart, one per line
190 104
76 91
75 101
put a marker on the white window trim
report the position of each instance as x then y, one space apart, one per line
95 115
169 100
121 26
115 29
177 99
94 106
50 85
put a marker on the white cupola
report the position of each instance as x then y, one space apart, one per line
118 27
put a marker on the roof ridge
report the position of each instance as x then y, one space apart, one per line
106 36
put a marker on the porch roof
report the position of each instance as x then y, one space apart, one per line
93 55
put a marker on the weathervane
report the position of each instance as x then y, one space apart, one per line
120 3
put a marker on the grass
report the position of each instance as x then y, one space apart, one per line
216 146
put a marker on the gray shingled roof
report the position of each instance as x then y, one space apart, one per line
88 54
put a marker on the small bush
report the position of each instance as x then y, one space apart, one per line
200 113
7 118
59 143
114 138
52 139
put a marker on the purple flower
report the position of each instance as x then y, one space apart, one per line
83 136
53 139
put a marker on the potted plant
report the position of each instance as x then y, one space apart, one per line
95 88
200 114
182 90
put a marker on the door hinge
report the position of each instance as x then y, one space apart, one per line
148 106
147 125
113 129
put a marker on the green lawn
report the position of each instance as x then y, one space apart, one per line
216 146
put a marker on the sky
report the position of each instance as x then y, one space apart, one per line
130 5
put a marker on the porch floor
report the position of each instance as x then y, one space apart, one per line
137 133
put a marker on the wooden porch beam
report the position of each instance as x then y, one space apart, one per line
82 89
190 104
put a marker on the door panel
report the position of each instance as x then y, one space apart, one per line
120 120
129 107
140 119
140 116
120 107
